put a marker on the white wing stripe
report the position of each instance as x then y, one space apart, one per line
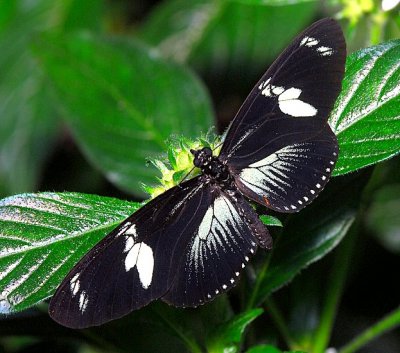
214 234
273 170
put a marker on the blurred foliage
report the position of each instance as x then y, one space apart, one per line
92 90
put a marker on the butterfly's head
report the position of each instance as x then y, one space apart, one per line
201 157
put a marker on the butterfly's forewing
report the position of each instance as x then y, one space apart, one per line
134 264
279 147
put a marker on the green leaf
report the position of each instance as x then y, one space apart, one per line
272 2
263 348
366 114
268 349
383 217
122 102
218 37
26 109
311 235
75 14
269 220
28 113
228 335
178 176
42 237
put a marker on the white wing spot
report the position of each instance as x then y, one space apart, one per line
145 265
325 51
141 256
131 257
318 186
328 170
332 162
309 41
276 90
246 258
312 42
124 228
83 301
300 202
312 191
208 296
132 231
305 198
75 284
293 207
216 291
290 104
224 286
288 100
129 242
232 280
323 177
237 274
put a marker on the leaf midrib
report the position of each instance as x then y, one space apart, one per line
49 243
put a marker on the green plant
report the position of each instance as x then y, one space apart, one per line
62 66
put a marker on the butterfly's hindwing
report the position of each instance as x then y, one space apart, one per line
219 249
292 176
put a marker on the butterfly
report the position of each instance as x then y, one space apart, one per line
191 243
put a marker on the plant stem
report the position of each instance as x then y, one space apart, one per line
334 292
388 323
260 277
279 321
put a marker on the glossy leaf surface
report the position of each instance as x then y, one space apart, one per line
366 115
43 235
27 112
307 238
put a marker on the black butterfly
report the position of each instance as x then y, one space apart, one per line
190 244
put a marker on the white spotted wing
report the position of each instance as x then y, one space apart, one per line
280 147
145 257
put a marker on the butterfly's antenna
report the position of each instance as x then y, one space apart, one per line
220 144
215 140
186 175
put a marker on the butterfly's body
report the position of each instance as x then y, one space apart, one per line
213 169
190 243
